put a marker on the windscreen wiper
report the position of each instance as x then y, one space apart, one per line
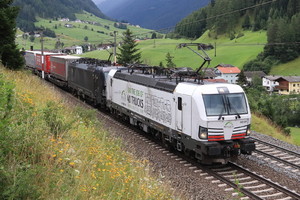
224 104
233 108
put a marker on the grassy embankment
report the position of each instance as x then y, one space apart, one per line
51 150
263 125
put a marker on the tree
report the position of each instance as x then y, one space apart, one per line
31 38
49 33
10 56
161 64
169 59
86 38
242 80
153 36
129 53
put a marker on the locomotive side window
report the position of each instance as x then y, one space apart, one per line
179 103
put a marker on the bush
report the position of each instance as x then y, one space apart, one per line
240 35
287 131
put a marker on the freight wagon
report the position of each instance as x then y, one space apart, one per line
59 69
43 62
30 59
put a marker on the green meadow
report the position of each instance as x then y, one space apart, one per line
288 69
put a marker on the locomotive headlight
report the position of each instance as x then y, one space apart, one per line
203 132
248 132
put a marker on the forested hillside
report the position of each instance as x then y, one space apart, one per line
30 9
281 19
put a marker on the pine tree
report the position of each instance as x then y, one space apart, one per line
169 59
10 56
129 53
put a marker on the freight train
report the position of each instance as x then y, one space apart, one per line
210 122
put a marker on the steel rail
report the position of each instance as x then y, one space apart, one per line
272 145
278 159
276 186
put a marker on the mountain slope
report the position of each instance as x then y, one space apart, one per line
30 9
156 14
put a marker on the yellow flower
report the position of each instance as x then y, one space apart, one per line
71 164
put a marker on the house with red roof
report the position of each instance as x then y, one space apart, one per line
227 72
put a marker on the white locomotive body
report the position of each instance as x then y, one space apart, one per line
211 121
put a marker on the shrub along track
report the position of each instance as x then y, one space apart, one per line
187 181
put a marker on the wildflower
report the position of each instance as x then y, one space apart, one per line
77 161
71 164
61 170
54 155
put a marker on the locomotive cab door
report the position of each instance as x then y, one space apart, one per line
179 114
183 113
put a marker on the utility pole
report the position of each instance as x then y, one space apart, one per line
215 49
42 49
115 47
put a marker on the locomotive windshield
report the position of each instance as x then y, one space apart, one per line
225 104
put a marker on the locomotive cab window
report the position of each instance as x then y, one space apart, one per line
225 104
179 103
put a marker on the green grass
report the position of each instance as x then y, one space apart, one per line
235 52
295 135
288 69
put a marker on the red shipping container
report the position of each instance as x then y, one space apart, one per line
59 66
46 59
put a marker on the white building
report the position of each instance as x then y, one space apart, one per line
78 49
73 50
269 82
227 72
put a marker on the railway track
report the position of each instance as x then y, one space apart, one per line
289 160
248 183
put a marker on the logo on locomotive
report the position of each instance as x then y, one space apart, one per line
133 97
154 106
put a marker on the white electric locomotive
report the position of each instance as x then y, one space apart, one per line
211 121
